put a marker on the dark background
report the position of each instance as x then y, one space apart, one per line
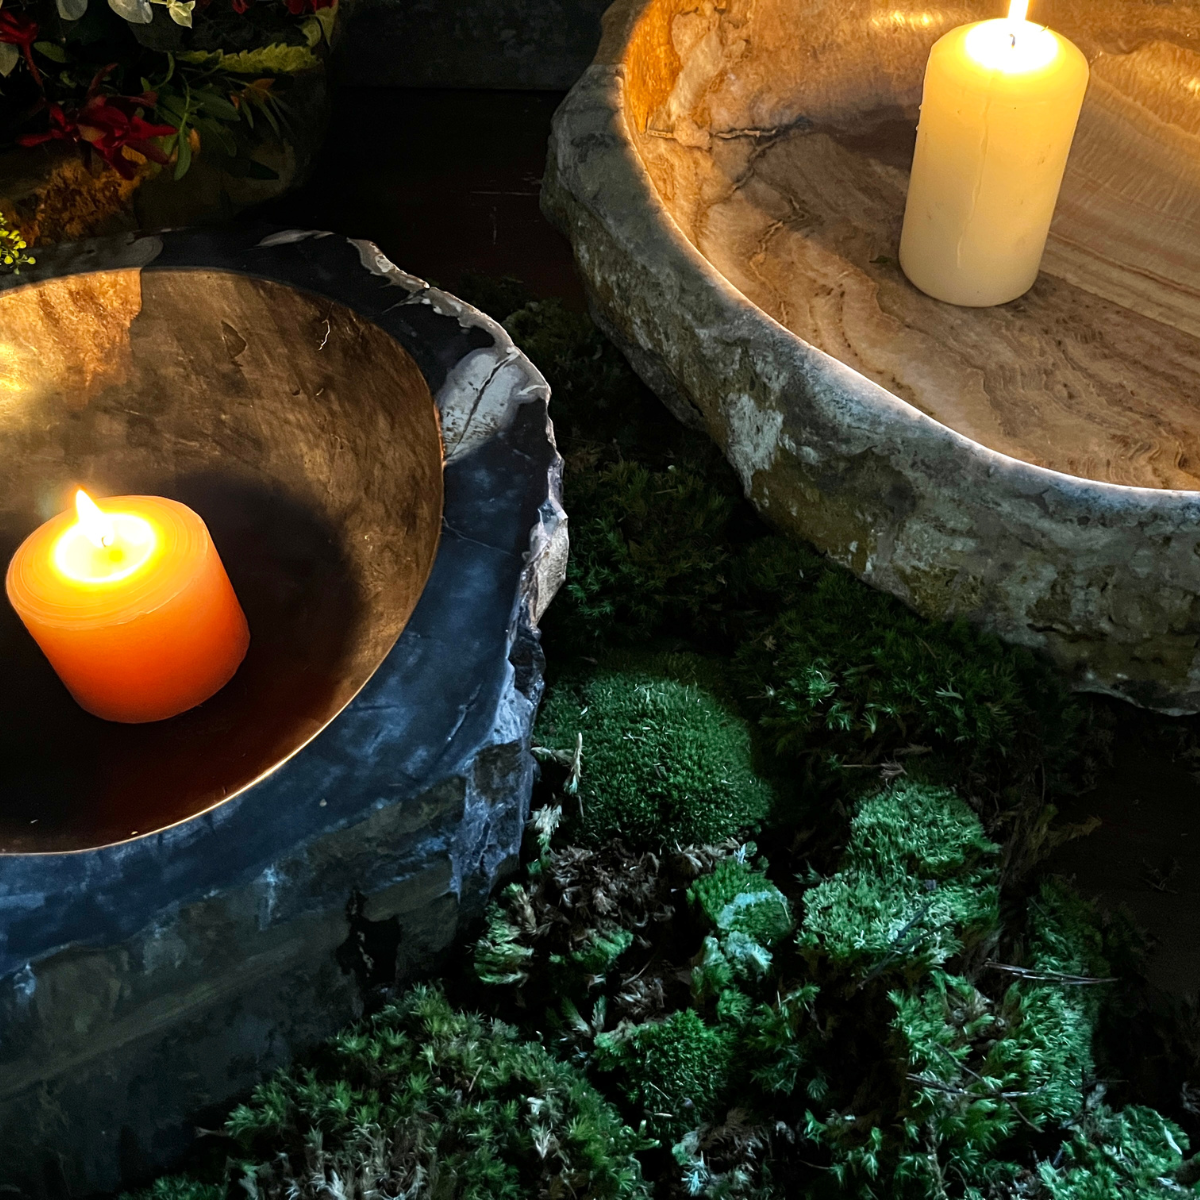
538 44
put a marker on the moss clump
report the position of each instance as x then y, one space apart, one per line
1129 1155
650 553
663 762
674 1071
735 898
852 675
915 881
422 1100
178 1187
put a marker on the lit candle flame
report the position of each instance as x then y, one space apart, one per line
97 527
1017 10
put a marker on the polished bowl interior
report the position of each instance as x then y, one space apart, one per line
307 440
778 135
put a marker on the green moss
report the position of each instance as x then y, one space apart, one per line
426 1100
674 1071
916 880
663 762
503 953
735 898
178 1187
650 553
1127 1155
850 675
597 956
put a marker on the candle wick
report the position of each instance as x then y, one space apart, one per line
106 541
1014 40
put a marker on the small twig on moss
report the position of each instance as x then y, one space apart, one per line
1010 1098
899 946
952 1090
1049 976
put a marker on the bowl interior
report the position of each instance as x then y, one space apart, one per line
779 134
307 440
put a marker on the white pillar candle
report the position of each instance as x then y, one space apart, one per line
1001 102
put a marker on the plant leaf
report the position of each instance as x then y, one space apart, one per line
218 106
326 18
136 12
276 59
72 10
9 57
185 154
215 132
51 51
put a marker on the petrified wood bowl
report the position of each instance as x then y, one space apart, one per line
733 179
184 904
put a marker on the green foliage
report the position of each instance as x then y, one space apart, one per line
276 59
650 552
1127 1155
779 1041
599 953
850 674
982 1061
916 880
422 1100
572 937
12 251
502 954
674 1070
664 762
178 1187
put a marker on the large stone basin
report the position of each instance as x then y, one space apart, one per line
184 905
732 177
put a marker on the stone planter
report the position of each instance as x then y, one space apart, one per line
733 182
293 844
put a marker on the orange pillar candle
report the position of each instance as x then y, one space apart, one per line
131 605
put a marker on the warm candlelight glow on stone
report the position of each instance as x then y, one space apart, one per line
131 605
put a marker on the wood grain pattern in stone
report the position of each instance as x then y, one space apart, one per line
72 335
1063 377
797 197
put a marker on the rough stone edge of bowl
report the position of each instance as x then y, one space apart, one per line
1101 577
112 1041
